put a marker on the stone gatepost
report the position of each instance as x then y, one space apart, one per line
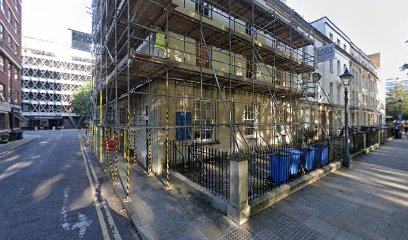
364 140
238 209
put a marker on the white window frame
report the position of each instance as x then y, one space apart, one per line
331 91
338 95
203 117
2 93
331 65
249 118
16 5
338 67
250 29
2 63
9 14
204 8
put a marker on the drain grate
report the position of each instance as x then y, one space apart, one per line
272 224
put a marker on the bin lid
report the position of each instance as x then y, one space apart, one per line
282 154
293 151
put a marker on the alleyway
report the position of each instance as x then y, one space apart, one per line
367 201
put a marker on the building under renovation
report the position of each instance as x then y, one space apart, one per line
190 86
228 74
51 74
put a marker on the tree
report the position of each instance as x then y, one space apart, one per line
397 102
82 101
404 67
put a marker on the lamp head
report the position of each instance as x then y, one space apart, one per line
346 78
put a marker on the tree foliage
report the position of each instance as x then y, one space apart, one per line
394 106
404 67
82 102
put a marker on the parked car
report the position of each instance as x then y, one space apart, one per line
4 139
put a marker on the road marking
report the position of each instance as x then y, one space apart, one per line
83 223
65 224
102 222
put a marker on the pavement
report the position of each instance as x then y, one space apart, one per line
367 201
12 145
50 191
160 213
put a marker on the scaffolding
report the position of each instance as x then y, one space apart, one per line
231 75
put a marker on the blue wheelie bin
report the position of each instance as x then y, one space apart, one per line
294 161
322 153
279 163
307 158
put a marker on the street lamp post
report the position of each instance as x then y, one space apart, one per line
399 108
346 79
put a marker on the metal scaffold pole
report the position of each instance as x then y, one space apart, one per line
128 198
100 126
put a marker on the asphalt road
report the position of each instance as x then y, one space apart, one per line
48 190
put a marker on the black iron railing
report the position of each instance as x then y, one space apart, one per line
271 167
204 165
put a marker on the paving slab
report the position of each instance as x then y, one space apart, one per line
160 213
367 201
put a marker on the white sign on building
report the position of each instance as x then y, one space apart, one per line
81 41
325 53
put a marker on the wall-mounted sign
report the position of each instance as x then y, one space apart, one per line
45 117
81 41
325 53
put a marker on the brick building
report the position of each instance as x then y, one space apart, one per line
10 68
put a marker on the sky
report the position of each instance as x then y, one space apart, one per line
373 25
51 19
